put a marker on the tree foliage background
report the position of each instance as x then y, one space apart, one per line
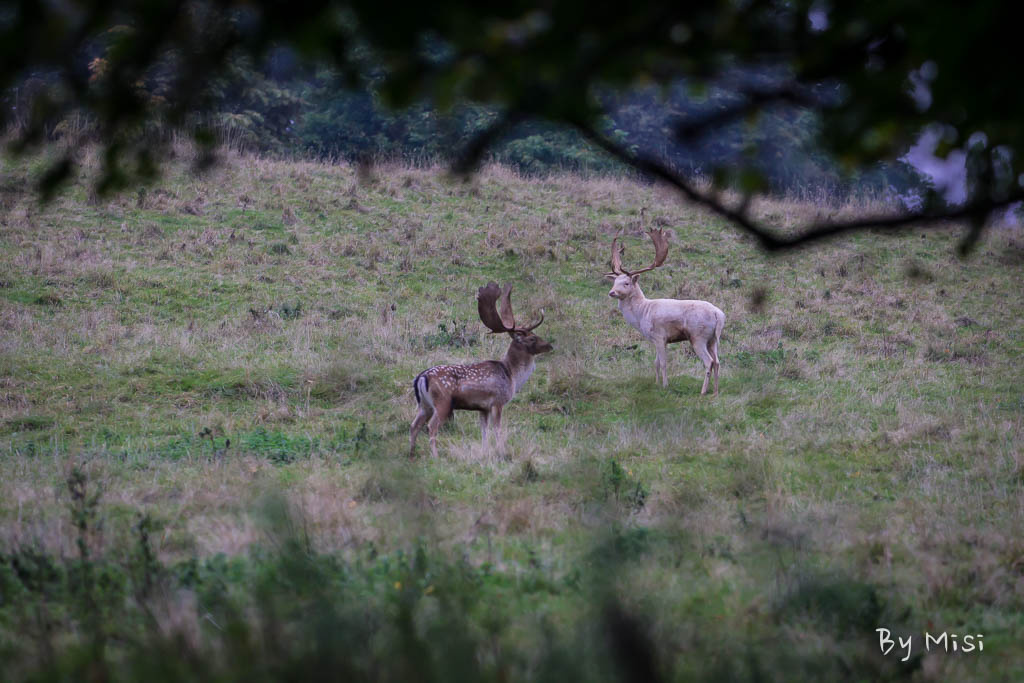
757 95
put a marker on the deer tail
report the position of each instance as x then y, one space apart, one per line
420 387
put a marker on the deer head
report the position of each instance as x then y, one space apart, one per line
625 280
502 320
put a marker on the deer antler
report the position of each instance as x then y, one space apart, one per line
660 250
616 255
536 324
486 304
660 253
495 318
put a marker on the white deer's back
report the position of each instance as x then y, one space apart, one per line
673 319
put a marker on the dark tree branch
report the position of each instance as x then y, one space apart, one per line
472 152
533 101
754 100
978 211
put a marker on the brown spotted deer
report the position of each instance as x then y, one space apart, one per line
666 321
484 387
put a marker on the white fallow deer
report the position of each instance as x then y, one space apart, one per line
484 387
666 321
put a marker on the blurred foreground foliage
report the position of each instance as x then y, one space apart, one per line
287 612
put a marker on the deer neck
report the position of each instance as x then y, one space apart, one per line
634 304
520 365
635 310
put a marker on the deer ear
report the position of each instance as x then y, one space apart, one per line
634 278
610 276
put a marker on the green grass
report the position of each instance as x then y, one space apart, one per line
252 335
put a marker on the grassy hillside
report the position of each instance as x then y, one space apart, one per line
863 466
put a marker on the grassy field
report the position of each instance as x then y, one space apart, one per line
205 395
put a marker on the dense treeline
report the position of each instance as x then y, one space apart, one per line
330 120
771 97
286 108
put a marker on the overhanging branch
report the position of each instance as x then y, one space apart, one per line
753 101
978 211
471 153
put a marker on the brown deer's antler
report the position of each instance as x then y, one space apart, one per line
495 318
486 304
536 324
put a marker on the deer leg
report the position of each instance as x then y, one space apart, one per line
701 348
499 437
713 350
484 415
417 424
661 363
441 411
